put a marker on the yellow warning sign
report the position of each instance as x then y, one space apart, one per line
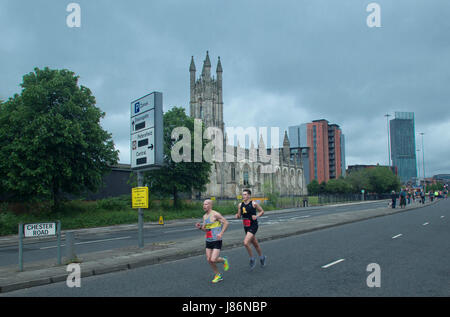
213 198
161 220
139 197
239 197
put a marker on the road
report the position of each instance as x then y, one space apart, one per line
87 243
412 250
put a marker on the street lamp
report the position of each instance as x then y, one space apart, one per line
423 160
389 146
418 167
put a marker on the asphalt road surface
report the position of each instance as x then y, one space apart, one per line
157 234
411 250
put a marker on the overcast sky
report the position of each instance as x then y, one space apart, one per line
285 62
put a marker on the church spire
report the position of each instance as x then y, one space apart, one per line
206 71
192 67
219 67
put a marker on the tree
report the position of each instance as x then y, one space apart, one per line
382 180
313 187
51 141
175 178
359 180
338 186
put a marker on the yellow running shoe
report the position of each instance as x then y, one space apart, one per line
217 278
226 265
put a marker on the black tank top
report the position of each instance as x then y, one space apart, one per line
247 211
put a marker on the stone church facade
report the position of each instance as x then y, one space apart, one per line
256 168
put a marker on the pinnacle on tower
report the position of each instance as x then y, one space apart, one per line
206 71
192 67
207 61
219 67
286 139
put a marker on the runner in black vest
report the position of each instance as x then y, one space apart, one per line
248 211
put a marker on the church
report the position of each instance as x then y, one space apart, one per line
257 168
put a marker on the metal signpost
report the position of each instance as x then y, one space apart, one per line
146 130
33 230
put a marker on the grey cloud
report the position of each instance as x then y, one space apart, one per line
318 58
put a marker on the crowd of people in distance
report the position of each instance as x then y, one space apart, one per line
416 195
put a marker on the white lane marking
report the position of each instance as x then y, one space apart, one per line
426 223
395 237
332 263
180 230
87 242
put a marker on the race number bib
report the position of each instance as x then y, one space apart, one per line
246 222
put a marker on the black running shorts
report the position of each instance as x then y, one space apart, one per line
253 229
214 244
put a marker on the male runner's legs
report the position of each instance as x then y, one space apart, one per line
248 241
212 256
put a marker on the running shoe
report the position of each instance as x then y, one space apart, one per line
217 278
226 265
252 263
263 261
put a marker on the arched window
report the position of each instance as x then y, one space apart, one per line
246 177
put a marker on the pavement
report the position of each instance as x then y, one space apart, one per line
46 272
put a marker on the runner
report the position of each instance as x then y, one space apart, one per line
214 224
247 210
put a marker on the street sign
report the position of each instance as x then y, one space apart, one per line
146 130
139 197
143 147
39 229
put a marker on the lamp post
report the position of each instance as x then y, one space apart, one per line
389 146
418 167
423 161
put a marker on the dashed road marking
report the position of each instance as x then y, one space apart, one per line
395 237
425 224
332 263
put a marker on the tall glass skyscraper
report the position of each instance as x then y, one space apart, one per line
403 145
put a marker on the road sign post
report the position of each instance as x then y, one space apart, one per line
58 234
34 230
141 214
20 247
147 150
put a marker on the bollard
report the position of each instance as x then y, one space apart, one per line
70 246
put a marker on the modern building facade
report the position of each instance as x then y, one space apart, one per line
403 145
322 146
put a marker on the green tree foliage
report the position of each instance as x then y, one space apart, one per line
338 186
373 180
51 141
175 178
378 180
313 187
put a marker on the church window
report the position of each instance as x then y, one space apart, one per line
246 182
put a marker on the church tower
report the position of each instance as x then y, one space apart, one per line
206 101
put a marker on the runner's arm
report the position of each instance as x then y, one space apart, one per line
200 226
259 208
224 222
238 215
